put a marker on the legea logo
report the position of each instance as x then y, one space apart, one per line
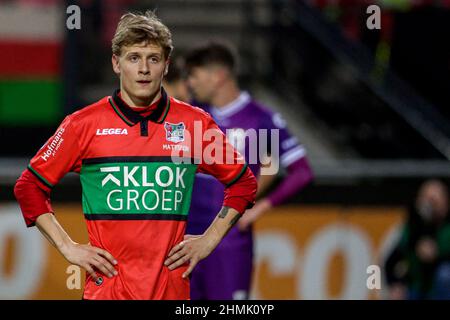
111 131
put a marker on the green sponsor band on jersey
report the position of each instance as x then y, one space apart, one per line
136 188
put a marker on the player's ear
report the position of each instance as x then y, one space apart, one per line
115 64
166 70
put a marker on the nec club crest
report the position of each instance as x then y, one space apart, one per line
174 131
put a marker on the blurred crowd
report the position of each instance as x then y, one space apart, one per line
419 265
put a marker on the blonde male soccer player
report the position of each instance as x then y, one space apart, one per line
135 197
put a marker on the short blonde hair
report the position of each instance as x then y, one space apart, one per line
135 28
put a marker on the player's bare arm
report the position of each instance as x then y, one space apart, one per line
196 248
83 255
265 181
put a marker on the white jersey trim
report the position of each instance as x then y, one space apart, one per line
292 155
233 107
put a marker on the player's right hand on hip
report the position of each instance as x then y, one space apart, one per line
90 257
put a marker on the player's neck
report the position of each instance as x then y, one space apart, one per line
225 95
137 102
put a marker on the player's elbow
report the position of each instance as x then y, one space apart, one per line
19 187
242 194
253 183
33 200
249 187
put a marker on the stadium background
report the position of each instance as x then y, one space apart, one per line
369 105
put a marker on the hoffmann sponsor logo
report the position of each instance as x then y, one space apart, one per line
54 145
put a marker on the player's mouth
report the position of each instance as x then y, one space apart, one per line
143 82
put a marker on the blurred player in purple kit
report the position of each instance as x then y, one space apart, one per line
226 273
174 81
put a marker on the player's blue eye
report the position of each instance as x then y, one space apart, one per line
133 58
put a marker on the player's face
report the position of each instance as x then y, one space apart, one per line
141 68
203 82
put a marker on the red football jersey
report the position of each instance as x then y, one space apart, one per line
136 194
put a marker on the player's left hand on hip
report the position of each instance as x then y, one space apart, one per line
192 249
253 214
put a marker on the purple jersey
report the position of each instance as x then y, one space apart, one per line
234 119
226 273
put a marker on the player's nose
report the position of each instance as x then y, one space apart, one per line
144 68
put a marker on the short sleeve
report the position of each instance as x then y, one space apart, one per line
58 156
